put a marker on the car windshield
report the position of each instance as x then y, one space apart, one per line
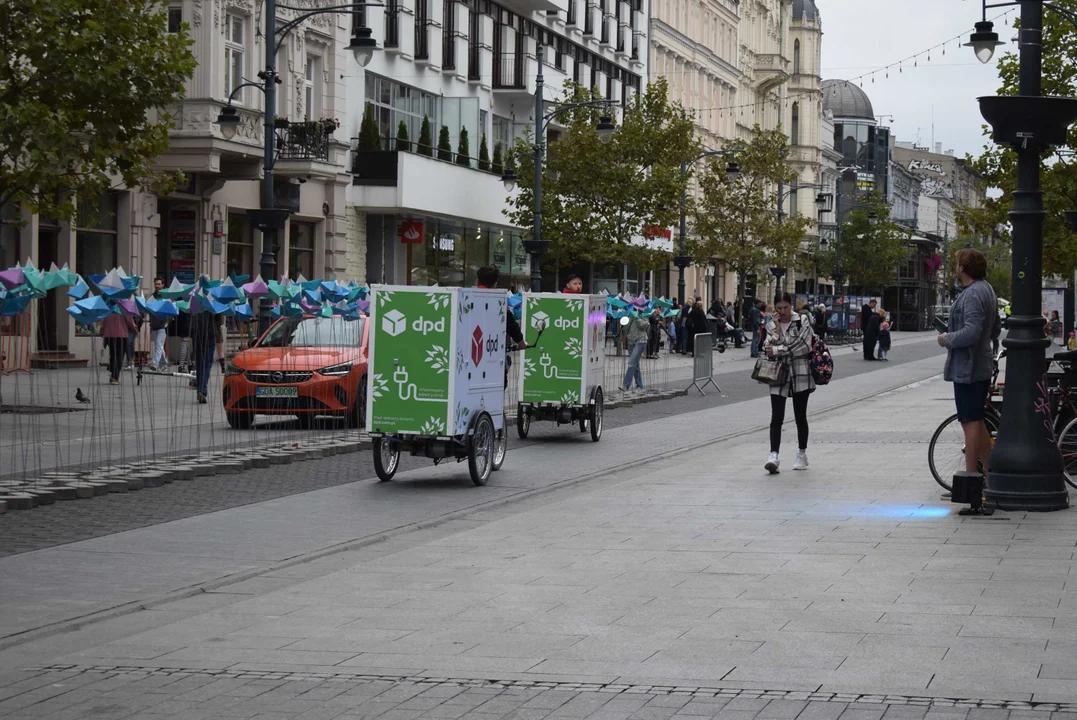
309 331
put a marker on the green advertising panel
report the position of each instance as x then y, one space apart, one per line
554 371
410 345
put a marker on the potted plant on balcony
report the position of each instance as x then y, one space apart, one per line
484 154
329 125
463 149
402 142
426 139
444 144
280 121
498 164
369 141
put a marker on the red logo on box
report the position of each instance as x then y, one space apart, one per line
476 346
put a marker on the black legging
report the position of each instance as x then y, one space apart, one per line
777 417
117 348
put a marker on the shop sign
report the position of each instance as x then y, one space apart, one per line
445 243
411 232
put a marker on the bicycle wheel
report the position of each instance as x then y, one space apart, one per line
1067 444
946 454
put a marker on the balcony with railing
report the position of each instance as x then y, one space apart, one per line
474 47
392 24
509 70
448 35
308 140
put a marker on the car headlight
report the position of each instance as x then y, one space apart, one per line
336 370
232 369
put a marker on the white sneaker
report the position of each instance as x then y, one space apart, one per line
801 462
772 464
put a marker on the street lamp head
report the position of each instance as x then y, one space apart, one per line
605 129
732 169
873 219
508 179
821 200
984 41
229 122
363 46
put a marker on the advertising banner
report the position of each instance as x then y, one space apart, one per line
554 371
411 341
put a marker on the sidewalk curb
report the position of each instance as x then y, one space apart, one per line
9 641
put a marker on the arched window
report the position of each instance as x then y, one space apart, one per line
796 57
794 134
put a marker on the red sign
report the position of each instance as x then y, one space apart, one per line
656 231
476 346
411 232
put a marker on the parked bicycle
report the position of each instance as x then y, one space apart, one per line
946 454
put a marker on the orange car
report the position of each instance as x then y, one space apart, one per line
303 366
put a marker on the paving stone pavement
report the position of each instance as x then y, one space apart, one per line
693 586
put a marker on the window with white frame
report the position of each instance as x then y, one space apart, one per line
312 88
235 36
175 19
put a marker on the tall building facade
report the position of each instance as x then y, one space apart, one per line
469 68
204 226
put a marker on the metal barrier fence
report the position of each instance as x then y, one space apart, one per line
703 364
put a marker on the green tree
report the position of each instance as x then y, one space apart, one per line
498 164
999 264
871 250
463 150
998 165
426 138
402 142
85 88
369 139
735 217
484 154
597 198
444 145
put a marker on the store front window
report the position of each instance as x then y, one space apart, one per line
240 246
452 252
95 236
301 250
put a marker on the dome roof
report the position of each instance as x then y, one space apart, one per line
846 100
805 9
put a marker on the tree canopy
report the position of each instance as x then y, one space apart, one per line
78 82
998 165
597 198
871 250
736 217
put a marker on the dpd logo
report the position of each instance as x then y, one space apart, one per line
394 323
565 324
476 346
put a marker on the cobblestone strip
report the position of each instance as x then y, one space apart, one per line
421 683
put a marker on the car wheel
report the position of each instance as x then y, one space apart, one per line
357 416
240 420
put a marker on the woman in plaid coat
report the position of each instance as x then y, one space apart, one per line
789 336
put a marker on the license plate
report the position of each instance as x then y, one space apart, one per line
277 392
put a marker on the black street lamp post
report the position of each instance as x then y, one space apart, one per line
269 218
536 247
1026 469
683 260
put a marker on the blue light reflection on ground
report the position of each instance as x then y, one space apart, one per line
915 512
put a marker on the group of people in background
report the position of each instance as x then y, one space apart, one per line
876 331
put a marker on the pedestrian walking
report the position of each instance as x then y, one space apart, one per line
695 324
638 330
875 323
789 338
115 329
969 363
207 334
870 336
158 329
755 326
682 331
673 324
884 340
820 321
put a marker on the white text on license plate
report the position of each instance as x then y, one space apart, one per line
277 392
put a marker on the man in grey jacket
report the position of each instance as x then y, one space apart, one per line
969 360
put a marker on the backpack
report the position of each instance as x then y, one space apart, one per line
820 361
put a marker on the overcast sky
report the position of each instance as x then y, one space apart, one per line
861 35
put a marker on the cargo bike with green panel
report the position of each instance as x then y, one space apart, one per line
561 379
437 374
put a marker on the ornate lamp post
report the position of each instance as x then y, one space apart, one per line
536 247
269 218
1026 465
